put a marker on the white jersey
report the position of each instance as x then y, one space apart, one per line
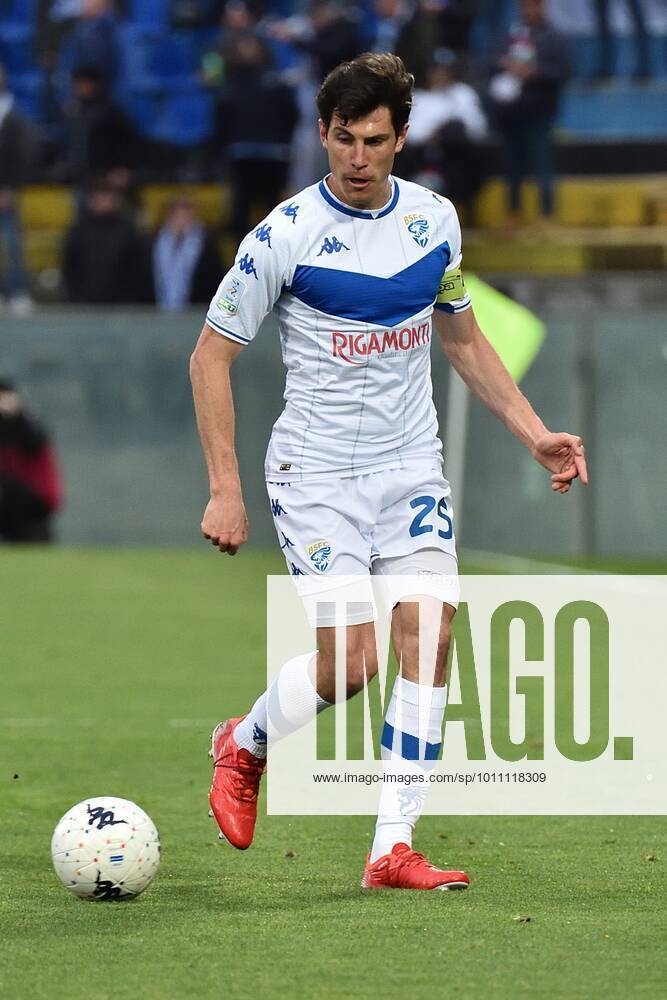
353 293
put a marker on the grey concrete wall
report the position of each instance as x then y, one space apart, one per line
114 388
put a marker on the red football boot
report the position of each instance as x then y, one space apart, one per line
406 869
236 777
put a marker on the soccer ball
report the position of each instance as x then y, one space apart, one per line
105 848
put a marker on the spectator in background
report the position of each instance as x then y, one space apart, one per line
30 489
105 260
14 161
390 18
194 13
524 94
54 21
93 40
493 18
101 139
186 262
256 117
606 63
328 35
447 128
238 20
435 24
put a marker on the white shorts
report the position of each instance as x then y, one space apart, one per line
390 523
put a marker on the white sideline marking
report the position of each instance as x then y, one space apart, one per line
34 723
523 564
11 722
628 583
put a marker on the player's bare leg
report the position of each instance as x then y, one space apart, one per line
361 663
421 632
305 686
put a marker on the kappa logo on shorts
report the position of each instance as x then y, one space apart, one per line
319 553
232 294
419 227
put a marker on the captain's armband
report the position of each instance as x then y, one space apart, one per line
451 287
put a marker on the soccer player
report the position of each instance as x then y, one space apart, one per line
356 269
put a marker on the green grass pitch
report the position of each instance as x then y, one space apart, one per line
114 667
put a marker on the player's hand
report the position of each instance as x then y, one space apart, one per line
563 456
225 523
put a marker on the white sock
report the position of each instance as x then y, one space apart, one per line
289 702
410 750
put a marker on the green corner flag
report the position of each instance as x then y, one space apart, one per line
515 332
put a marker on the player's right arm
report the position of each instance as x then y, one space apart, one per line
245 295
224 523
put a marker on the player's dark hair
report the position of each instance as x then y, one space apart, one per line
353 89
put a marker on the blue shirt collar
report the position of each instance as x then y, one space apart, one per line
376 213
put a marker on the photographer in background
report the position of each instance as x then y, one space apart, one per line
30 487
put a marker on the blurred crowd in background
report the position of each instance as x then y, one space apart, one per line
105 96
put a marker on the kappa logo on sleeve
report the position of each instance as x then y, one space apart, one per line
263 234
290 211
247 265
319 553
232 293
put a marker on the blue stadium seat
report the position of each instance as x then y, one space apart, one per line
202 39
186 119
285 55
144 110
17 52
28 89
152 13
585 51
136 44
152 62
618 111
18 11
173 58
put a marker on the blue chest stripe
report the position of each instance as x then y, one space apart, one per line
368 298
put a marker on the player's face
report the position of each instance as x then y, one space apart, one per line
361 155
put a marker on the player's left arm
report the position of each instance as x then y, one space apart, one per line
481 369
